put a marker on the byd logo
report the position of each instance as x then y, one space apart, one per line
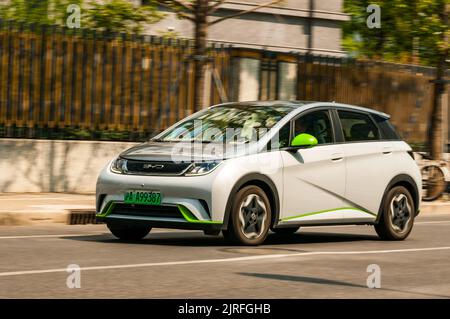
153 166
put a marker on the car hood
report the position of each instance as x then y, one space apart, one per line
184 152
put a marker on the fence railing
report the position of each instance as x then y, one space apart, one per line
81 84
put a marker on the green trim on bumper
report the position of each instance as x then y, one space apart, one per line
186 213
107 210
190 218
326 211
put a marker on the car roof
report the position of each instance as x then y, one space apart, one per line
300 106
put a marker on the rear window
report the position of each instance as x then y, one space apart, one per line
388 131
358 127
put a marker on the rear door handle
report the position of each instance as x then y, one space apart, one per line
337 157
387 150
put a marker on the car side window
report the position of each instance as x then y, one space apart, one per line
282 138
358 127
317 124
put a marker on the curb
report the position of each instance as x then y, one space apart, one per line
67 217
32 218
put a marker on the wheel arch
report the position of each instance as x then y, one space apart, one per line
262 181
407 182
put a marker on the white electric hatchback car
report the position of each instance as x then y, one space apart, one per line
244 169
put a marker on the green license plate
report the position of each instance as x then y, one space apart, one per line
140 197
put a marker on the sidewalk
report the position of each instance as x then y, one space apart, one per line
34 208
37 208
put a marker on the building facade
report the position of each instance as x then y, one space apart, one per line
312 26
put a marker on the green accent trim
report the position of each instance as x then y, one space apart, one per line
107 210
190 218
304 139
326 211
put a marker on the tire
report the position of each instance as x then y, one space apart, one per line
285 230
397 219
434 185
130 232
250 217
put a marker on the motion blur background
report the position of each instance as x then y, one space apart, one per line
75 74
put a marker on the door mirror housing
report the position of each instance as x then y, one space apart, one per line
302 140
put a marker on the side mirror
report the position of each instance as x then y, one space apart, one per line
302 140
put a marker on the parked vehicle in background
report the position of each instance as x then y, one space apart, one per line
435 176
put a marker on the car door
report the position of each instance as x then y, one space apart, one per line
314 178
369 164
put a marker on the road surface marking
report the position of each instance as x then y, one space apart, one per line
222 260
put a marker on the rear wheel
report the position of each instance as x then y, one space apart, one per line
250 217
397 219
129 232
285 230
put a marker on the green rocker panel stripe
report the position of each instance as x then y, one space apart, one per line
186 213
327 211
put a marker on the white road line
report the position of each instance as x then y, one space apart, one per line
222 260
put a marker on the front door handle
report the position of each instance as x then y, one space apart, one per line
337 157
387 150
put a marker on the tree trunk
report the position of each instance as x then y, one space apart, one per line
435 129
200 51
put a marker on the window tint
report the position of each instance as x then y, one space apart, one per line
282 138
249 122
317 124
388 131
358 127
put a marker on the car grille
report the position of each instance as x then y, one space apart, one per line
147 211
156 168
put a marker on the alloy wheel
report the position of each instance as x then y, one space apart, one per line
400 211
252 216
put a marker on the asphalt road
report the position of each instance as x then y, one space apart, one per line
319 262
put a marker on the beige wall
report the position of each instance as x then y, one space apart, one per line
280 27
54 166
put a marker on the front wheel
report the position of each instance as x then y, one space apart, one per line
250 217
129 232
397 219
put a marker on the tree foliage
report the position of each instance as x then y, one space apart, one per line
109 15
37 11
411 31
121 16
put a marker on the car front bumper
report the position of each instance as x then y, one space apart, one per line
187 199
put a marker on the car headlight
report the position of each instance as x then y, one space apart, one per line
201 168
119 166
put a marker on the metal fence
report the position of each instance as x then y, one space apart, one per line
59 83
81 84
403 91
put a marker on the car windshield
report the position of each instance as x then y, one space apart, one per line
229 123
